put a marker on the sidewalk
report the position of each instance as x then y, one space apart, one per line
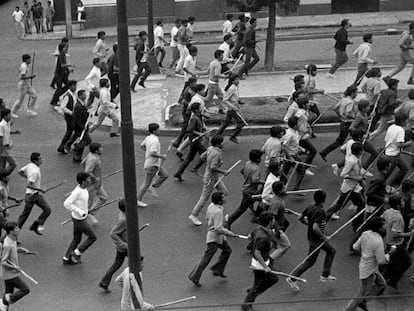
398 19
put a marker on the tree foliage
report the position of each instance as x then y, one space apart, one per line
289 6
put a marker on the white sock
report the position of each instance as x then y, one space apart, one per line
77 252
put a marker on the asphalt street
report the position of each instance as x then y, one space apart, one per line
171 245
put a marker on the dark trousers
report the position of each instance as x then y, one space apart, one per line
308 146
343 134
248 65
141 67
160 50
399 262
61 87
327 265
18 283
262 282
355 198
114 85
341 58
362 69
194 148
237 47
218 267
30 201
68 133
75 135
183 132
119 260
246 202
81 227
7 164
80 146
402 169
230 116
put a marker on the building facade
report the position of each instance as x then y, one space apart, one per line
103 12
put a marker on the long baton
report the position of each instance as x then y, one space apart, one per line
31 80
409 242
288 210
11 206
283 274
291 175
369 217
174 302
202 135
143 227
371 119
330 237
241 118
297 162
323 112
26 275
331 97
229 170
92 210
362 77
55 186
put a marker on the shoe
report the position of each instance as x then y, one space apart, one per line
179 155
41 228
327 278
410 81
132 90
195 220
141 83
68 262
221 111
335 216
31 112
293 284
153 192
62 151
330 75
196 283
363 306
141 204
335 169
234 140
67 150
75 258
35 228
104 287
13 115
221 275
93 219
3 306
160 65
323 157
195 172
178 177
309 172
114 135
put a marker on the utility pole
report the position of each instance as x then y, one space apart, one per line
128 152
68 18
152 60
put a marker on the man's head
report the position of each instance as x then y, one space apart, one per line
82 95
253 22
319 197
96 61
217 141
255 155
192 82
143 35
218 54
72 85
393 84
345 23
357 135
312 69
199 88
278 187
193 50
6 114
266 218
383 165
177 23
229 17
12 228
115 47
121 205
36 158
351 91
159 23
95 148
191 20
395 202
357 148
195 108
274 167
411 28
401 119
293 122
375 224
227 38
277 131
367 37
363 105
218 198
26 58
153 128
104 82
82 179
101 35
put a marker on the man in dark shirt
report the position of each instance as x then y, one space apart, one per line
315 218
240 30
61 74
262 246
113 72
250 43
342 41
141 57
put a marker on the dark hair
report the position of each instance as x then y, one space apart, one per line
255 155
393 82
177 21
277 187
191 19
64 40
94 147
394 201
10 226
34 156
344 22
293 121
310 68
302 101
411 26
218 53
100 34
367 37
142 33
350 90
374 72
217 140
296 94
252 20
115 47
96 60
191 80
195 106
319 196
298 78
357 148
231 80
217 197
375 224
229 16
192 49
357 134
265 218
407 185
199 87
227 37
273 166
411 94
362 104
81 92
72 82
121 205
61 46
400 118
159 22
152 127
299 85
81 177
25 57
103 82
382 164
276 130
241 17
5 112
184 21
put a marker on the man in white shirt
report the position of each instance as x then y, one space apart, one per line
92 79
214 75
153 164
182 38
7 163
32 172
100 50
394 142
77 203
159 42
24 87
362 52
228 25
175 54
18 16
190 64
227 57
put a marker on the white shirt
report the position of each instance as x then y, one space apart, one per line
362 52
225 47
395 134
197 98
105 100
272 149
32 172
174 31
267 193
18 16
347 148
100 49
23 71
77 203
227 27
5 133
93 77
189 64
152 145
158 32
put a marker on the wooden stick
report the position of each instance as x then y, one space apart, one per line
297 162
291 175
370 216
92 210
55 186
26 275
229 170
409 242
241 118
143 227
174 302
23 250
331 97
362 77
202 135
289 275
323 112
244 237
371 119
289 211
329 238
31 80
11 206
302 191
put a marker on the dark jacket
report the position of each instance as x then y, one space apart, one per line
80 116
341 38
113 66
139 50
250 37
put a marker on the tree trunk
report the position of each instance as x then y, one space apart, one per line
270 40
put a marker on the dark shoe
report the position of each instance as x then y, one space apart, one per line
196 283
68 262
104 287
323 156
160 65
141 83
62 151
115 135
219 274
363 306
67 149
34 227
178 177
410 81
234 140
132 90
75 258
179 155
221 111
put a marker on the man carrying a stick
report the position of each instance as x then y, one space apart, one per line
10 269
32 172
316 222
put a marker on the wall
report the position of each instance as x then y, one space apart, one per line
396 5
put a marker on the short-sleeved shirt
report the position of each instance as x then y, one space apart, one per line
395 134
213 161
227 27
32 172
158 32
346 109
347 148
272 148
18 16
316 215
262 242
214 70
5 133
189 64
23 71
291 141
174 31
394 222
215 217
251 173
152 144
277 207
92 164
406 39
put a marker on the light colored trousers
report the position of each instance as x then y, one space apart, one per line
208 187
97 198
405 57
283 244
24 89
150 173
101 118
183 54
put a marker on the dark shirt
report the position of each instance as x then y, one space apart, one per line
37 12
250 38
139 50
80 116
113 67
341 38
376 190
195 124
61 60
240 30
262 241
277 207
387 102
316 215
